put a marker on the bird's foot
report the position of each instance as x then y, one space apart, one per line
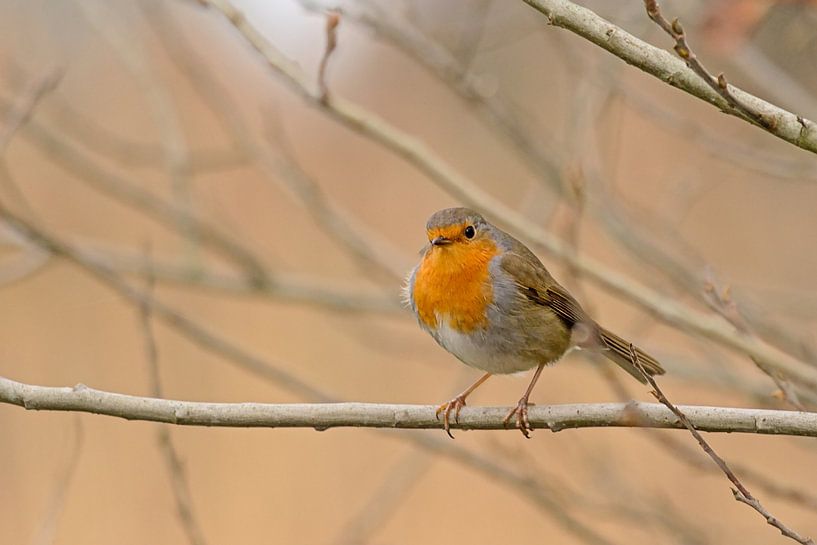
446 408
521 412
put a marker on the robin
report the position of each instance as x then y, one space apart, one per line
487 299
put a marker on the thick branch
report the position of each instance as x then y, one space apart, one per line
662 64
321 416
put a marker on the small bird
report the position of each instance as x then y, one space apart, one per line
487 299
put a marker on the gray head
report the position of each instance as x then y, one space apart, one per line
455 225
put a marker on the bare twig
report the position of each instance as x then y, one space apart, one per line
740 492
718 84
790 127
332 22
322 416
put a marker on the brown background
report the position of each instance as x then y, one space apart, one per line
676 182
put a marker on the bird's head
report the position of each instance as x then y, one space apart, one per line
455 228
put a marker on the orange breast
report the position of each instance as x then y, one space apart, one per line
452 283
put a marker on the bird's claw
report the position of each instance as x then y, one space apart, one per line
522 422
455 405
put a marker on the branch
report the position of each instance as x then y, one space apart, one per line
682 48
322 416
740 491
783 124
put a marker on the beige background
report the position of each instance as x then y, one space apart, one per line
60 327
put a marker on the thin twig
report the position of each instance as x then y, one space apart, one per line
740 491
332 22
719 83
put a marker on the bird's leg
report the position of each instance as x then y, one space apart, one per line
521 409
457 404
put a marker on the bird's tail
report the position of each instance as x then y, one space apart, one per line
618 350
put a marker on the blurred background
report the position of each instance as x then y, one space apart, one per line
152 138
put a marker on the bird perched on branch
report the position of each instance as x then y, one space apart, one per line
487 299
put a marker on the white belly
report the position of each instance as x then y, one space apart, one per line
473 350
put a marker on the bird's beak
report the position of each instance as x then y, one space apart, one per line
441 241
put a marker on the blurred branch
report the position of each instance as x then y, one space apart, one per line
796 496
740 492
19 112
285 288
752 158
173 318
790 127
130 192
332 22
280 168
129 49
438 170
720 300
322 416
497 113
392 492
47 527
175 466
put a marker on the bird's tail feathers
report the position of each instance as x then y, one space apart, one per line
618 350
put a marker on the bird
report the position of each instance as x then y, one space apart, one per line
488 300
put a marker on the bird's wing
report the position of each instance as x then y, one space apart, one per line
536 283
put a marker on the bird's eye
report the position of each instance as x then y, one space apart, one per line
469 232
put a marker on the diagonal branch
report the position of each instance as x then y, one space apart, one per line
783 124
740 491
